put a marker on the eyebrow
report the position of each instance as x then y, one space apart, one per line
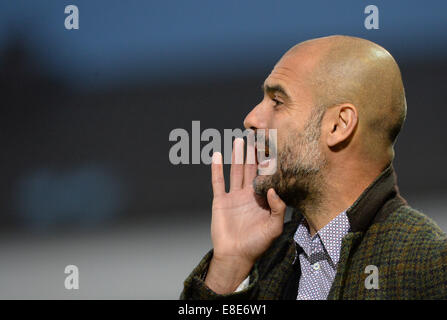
275 89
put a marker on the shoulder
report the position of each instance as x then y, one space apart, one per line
414 250
411 252
409 229
425 239
408 223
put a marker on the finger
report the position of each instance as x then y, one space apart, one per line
250 167
217 177
237 165
277 209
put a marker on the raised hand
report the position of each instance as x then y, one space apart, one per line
243 225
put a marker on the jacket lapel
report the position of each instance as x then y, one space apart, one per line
349 242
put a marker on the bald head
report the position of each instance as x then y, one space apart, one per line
352 70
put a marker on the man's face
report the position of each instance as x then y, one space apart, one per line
288 107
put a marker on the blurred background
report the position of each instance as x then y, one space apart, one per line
85 117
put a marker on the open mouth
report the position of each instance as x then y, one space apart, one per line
261 153
263 158
262 150
265 150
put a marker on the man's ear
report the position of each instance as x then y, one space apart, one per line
343 120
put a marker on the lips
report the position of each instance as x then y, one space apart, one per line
265 150
265 163
267 166
263 157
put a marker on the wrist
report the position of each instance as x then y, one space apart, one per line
226 274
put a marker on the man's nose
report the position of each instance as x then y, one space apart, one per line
254 119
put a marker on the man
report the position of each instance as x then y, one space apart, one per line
338 104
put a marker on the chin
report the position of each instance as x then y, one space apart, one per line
262 184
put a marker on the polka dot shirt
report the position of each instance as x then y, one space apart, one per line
319 258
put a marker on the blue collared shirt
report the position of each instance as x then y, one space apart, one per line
320 256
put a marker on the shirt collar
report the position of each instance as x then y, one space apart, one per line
331 236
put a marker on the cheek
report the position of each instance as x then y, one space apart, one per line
285 133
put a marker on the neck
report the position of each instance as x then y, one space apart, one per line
340 187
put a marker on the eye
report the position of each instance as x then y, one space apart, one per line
277 102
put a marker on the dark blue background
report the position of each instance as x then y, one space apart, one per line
85 117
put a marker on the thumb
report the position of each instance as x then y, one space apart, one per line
277 206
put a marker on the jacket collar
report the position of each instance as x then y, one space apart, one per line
376 202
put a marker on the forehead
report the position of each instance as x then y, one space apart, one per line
293 73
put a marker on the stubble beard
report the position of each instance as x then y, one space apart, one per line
298 179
